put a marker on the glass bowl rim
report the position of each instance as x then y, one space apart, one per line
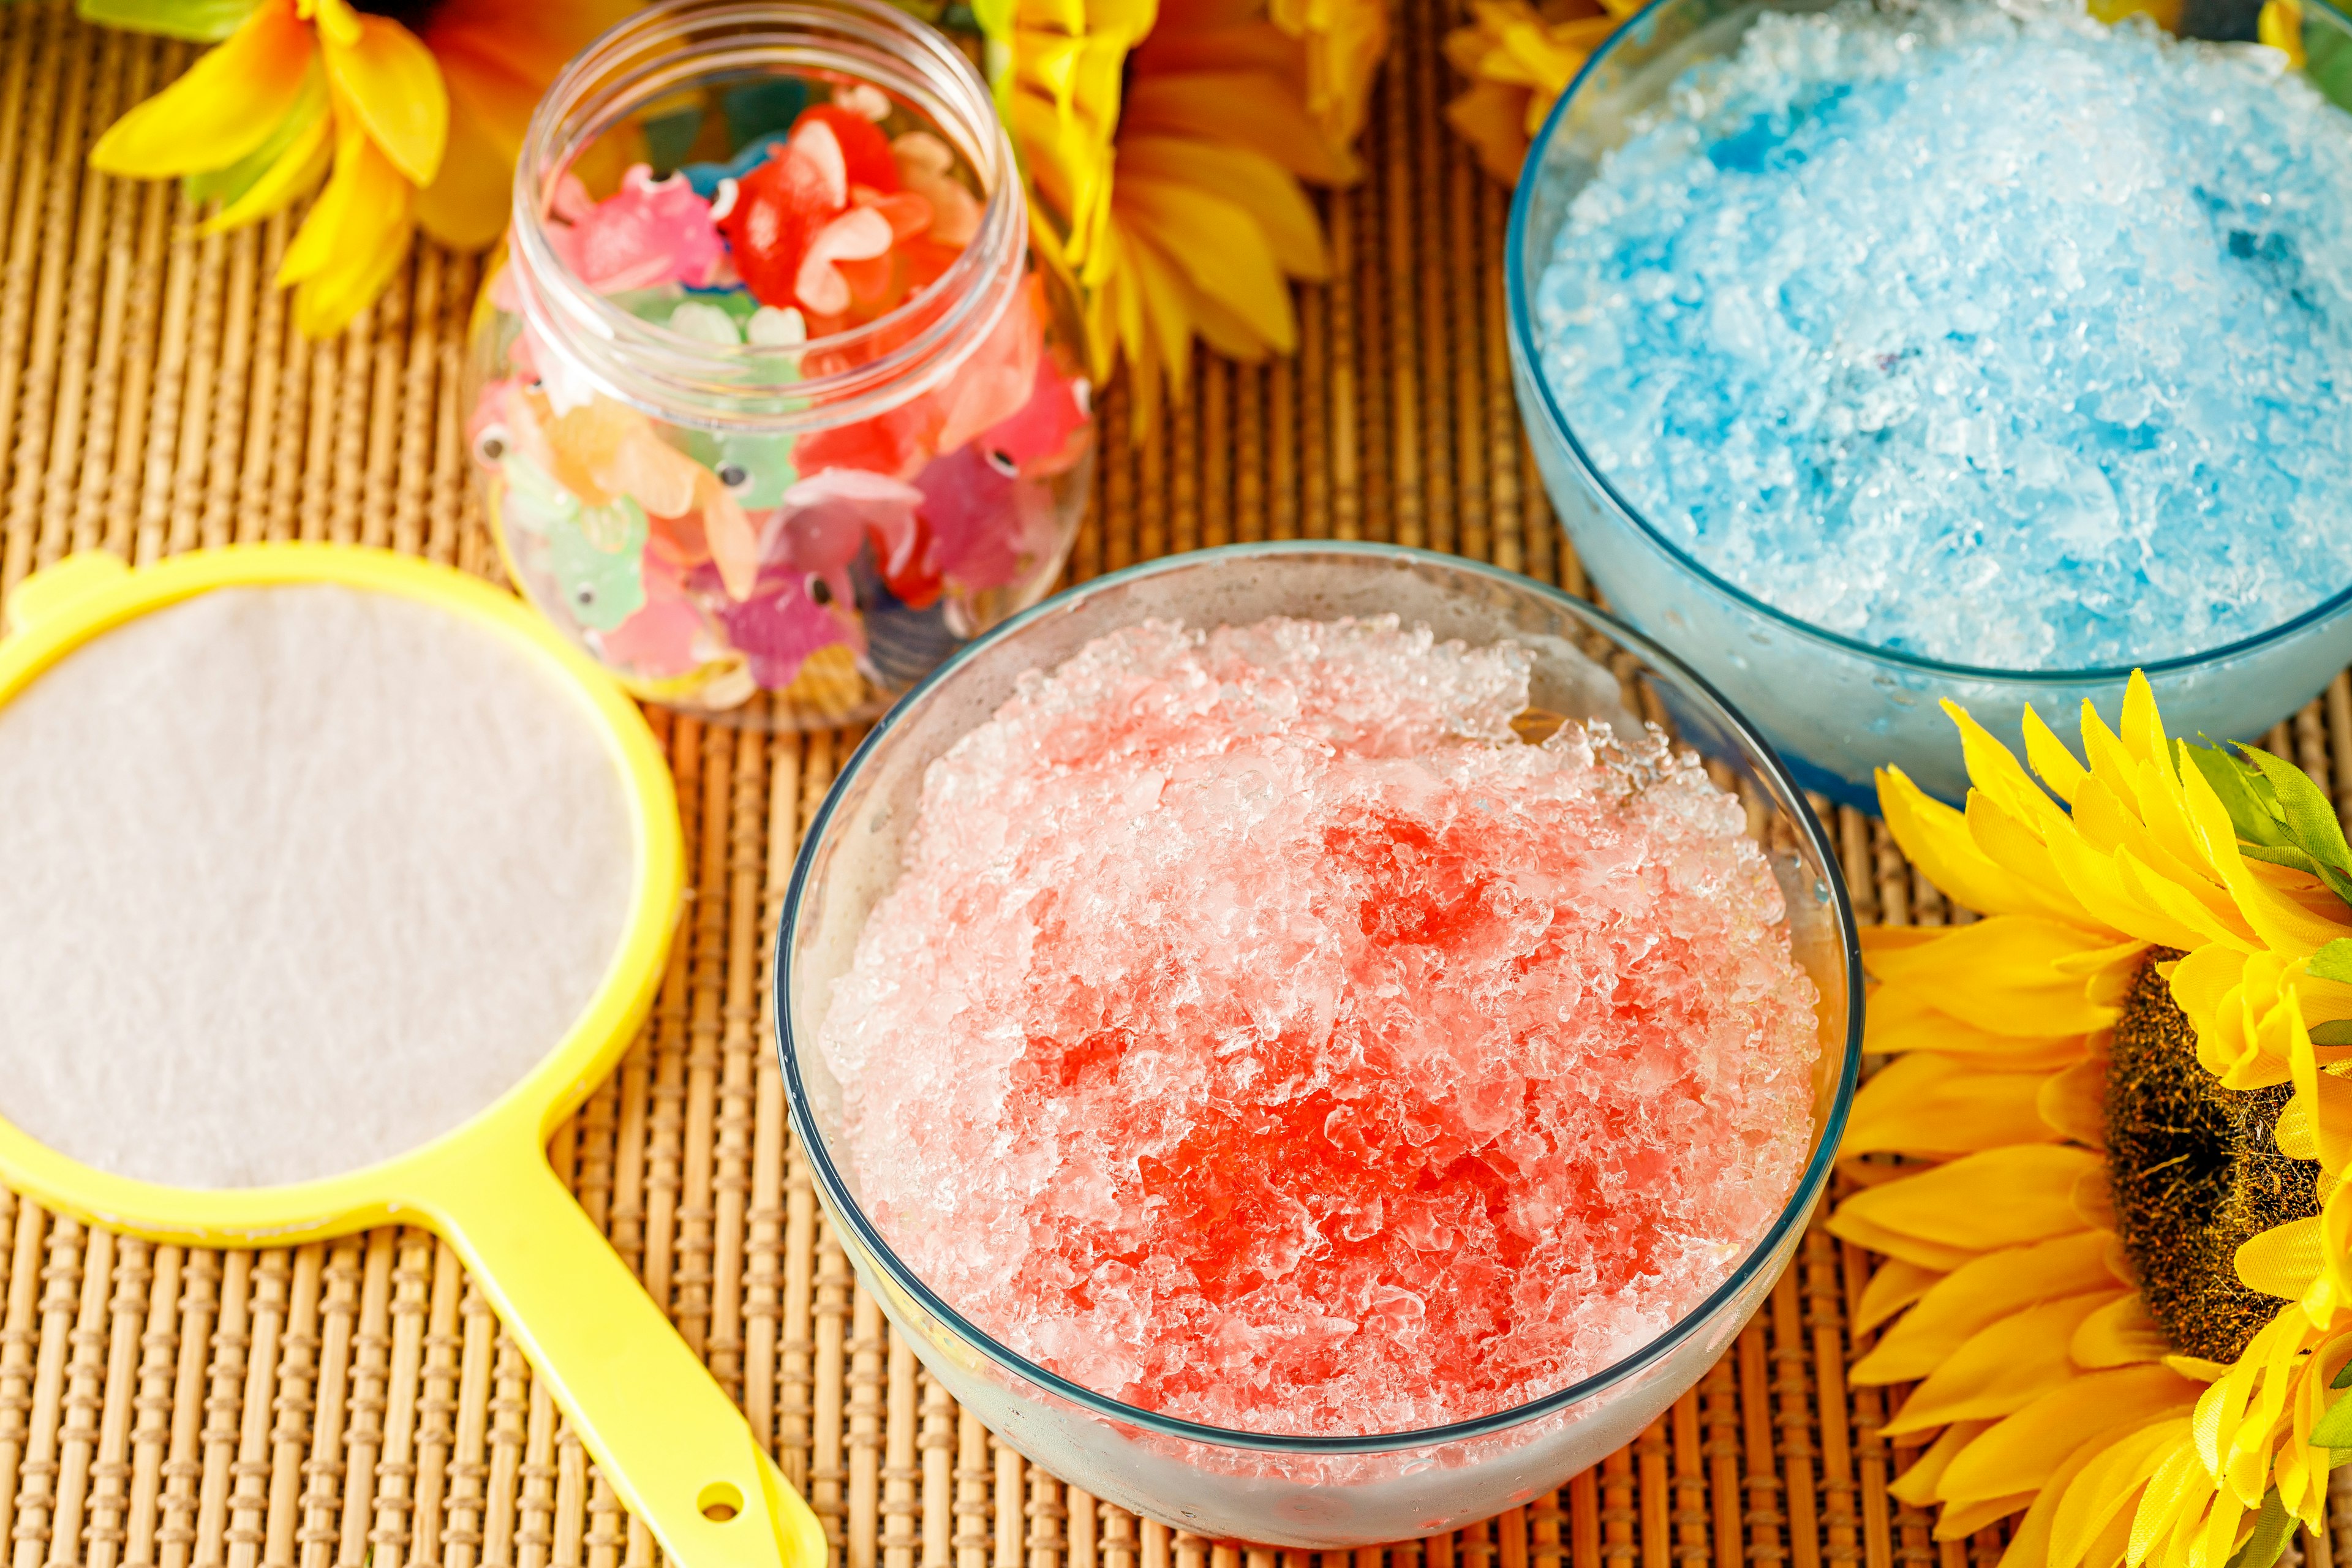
1795 1213
1524 350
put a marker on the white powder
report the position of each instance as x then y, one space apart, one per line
292 879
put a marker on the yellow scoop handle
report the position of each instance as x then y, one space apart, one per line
675 1448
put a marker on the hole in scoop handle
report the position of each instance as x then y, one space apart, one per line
675 1448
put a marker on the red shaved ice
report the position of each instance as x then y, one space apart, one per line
1261 1033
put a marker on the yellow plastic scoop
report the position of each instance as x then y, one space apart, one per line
677 1451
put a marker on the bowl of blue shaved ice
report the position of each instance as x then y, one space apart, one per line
1878 353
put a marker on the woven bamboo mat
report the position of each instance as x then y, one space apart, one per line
356 1403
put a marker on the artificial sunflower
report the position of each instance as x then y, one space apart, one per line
2117 1242
1519 60
413 114
1165 143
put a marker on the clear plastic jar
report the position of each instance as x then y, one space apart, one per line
716 490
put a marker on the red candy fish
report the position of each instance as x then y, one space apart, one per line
865 151
778 207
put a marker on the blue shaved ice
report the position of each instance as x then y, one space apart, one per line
1997 336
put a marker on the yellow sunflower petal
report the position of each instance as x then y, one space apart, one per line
1916 1486
354 238
2011 843
1217 246
2073 1102
2001 1368
466 205
221 107
1995 771
389 79
1981 1293
2105 1489
2281 26
1488 116
1929 1103
2000 1197
297 170
2050 758
1936 840
1940 1257
1247 108
1898 1020
1961 1520
1251 181
2283 1260
1895 1286
2024 1450
2002 974
2119 1335
2326 1098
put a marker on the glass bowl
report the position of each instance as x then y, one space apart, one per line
1837 707
1278 1490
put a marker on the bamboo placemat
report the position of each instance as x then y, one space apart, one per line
356 1404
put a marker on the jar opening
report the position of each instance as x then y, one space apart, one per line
692 108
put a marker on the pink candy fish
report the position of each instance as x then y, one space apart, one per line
980 515
826 517
777 626
649 232
658 642
1043 438
997 380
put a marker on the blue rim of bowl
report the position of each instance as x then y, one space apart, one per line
1524 350
1793 1214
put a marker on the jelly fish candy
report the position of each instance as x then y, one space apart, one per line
925 167
604 450
972 509
658 642
506 419
1001 374
777 208
595 553
648 233
777 626
755 469
1041 440
734 543
819 510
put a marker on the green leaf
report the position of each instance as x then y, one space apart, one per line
2308 815
2288 855
205 21
2333 962
2343 1379
2334 1032
2272 1527
2333 1430
2234 783
2328 48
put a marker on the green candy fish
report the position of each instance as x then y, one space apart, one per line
756 469
597 553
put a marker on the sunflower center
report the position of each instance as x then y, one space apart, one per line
413 15
2196 1170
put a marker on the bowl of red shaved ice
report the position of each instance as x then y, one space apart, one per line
1317 1043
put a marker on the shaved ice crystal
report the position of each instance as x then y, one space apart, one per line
1262 1034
